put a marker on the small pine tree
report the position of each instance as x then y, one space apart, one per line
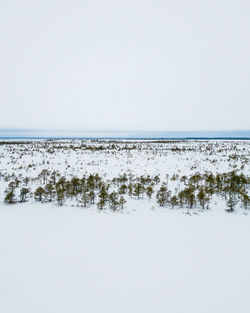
92 196
231 203
163 195
156 179
122 190
138 190
130 190
103 198
181 198
49 191
38 194
85 199
189 196
122 201
23 194
149 192
60 196
202 197
113 200
173 201
12 186
10 198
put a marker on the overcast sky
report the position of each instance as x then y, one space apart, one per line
125 65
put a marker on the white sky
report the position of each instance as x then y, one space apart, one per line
125 65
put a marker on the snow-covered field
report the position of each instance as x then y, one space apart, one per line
138 157
59 259
141 259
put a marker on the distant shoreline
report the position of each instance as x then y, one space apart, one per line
122 135
125 138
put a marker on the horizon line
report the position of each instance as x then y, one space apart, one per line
5 129
121 134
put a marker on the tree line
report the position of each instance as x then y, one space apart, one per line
195 190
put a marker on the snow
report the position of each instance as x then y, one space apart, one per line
63 259
152 159
143 259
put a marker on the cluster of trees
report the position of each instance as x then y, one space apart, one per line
54 187
197 189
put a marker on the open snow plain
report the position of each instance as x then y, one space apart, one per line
67 257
